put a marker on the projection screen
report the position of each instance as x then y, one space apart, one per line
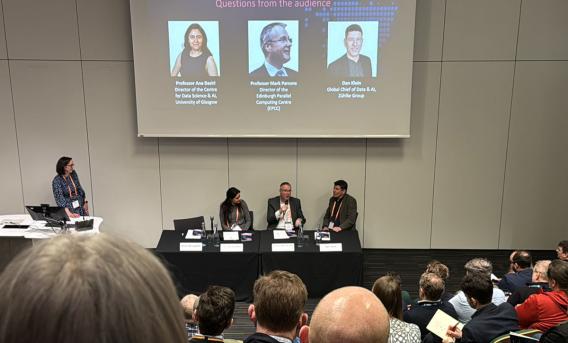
273 68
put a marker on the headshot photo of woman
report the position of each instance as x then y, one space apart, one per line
195 60
234 211
67 189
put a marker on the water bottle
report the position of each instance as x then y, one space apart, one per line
300 238
318 234
203 234
216 238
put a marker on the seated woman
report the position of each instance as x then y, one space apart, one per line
88 289
387 289
195 60
67 189
234 211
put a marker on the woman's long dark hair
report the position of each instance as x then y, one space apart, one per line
228 203
195 26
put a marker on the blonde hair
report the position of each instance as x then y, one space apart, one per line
88 289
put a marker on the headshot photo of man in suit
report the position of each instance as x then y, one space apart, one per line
352 63
276 45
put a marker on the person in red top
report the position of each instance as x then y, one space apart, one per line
545 310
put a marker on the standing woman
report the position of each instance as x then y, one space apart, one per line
234 211
195 60
67 189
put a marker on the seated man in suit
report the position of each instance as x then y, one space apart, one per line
489 320
430 292
521 262
341 213
353 63
214 314
276 45
284 211
539 283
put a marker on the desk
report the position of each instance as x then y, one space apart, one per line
12 241
320 271
194 271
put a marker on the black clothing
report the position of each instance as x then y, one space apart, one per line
259 338
490 322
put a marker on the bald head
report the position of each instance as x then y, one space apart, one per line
349 314
188 303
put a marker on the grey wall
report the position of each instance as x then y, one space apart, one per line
486 166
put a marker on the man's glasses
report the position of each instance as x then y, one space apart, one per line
282 40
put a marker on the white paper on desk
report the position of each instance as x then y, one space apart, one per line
193 234
230 235
440 323
183 246
282 246
231 247
280 234
331 246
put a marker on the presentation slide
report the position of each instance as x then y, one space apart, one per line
273 68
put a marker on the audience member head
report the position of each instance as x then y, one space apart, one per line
279 300
540 271
431 287
479 265
562 250
88 289
478 289
557 275
348 314
188 304
387 289
521 260
438 268
215 310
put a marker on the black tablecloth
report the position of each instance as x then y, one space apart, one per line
320 271
194 271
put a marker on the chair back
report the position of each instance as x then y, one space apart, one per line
188 223
251 220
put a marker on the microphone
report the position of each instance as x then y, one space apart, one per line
286 202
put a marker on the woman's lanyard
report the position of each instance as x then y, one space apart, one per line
236 221
338 210
69 188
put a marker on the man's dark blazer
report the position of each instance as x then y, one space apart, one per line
513 281
340 67
422 312
490 322
520 295
347 215
261 73
274 205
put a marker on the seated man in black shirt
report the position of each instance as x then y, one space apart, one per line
430 293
